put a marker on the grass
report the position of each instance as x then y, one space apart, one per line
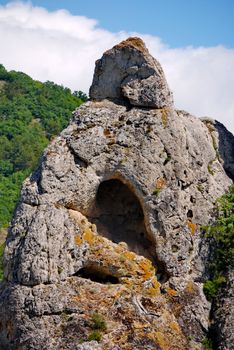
98 322
156 191
98 325
95 335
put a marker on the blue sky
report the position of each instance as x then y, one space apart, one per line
193 40
177 22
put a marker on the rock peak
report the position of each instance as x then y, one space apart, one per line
135 42
129 72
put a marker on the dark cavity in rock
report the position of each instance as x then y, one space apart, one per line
97 275
119 217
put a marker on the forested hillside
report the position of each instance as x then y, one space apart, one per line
31 114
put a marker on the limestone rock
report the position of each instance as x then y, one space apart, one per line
223 142
226 148
109 224
128 71
224 315
89 346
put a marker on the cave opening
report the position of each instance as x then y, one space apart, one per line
119 217
96 275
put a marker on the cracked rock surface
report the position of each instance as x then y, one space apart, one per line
110 221
129 71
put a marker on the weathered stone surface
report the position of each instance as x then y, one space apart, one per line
115 282
223 142
110 223
128 71
93 345
226 148
223 323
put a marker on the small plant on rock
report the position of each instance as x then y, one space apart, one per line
207 344
98 322
95 335
156 191
98 325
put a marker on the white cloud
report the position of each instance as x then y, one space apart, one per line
61 47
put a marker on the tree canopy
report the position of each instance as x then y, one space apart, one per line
31 114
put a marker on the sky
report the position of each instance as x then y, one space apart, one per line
193 40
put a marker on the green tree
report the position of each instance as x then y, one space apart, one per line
31 114
221 234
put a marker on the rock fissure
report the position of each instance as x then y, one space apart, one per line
97 275
83 163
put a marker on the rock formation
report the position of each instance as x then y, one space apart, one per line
105 250
223 319
129 71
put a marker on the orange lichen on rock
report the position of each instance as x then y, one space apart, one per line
88 235
174 326
191 287
152 291
160 337
135 42
164 117
129 255
161 183
78 240
171 292
147 268
115 259
136 293
192 226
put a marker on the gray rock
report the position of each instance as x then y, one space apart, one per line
226 148
128 71
223 324
118 190
223 142
93 345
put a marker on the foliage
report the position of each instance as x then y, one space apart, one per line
156 191
207 344
95 335
98 322
211 287
81 95
9 192
31 114
221 232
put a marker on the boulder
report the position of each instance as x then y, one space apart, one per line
128 72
